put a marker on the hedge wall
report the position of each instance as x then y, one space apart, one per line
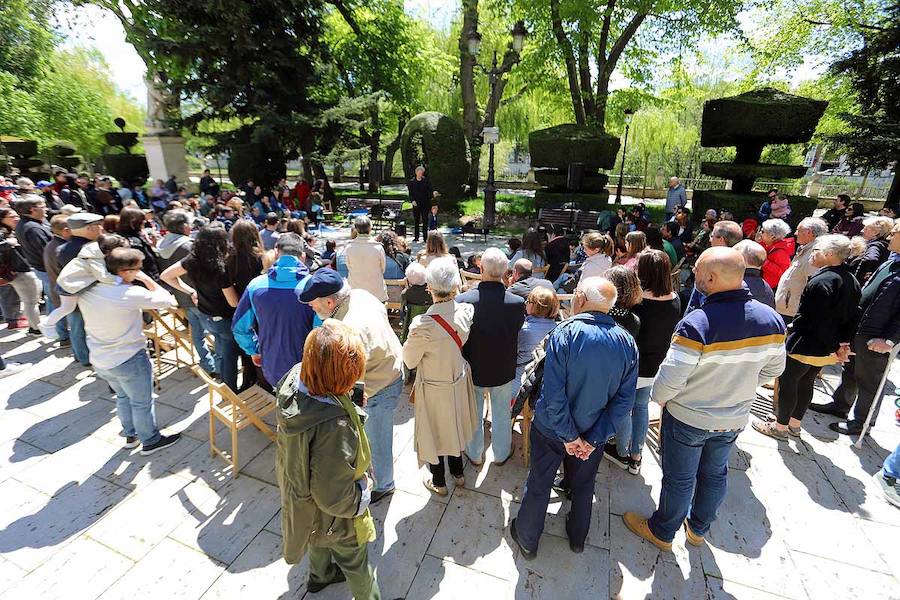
555 179
557 147
438 142
597 201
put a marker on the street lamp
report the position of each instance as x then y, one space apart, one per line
491 133
628 114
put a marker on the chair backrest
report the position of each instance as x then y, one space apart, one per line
220 388
467 276
395 288
565 305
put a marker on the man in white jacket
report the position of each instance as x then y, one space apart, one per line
365 260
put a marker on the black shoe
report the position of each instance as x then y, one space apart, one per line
313 587
131 441
65 343
559 486
610 453
526 554
378 496
34 331
846 428
164 442
831 408
576 548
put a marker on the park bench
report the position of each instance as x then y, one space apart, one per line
557 216
586 219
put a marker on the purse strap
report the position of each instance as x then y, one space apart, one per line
443 323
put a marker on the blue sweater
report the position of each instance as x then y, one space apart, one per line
270 321
590 375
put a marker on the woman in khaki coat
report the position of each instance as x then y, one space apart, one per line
445 409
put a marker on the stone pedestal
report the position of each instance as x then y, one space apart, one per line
166 157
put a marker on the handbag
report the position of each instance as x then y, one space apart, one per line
452 332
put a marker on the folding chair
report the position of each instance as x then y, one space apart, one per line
469 280
565 310
524 421
169 331
237 411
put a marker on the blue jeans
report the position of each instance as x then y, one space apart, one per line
198 335
78 337
695 473
892 464
501 422
226 357
380 431
546 456
61 330
632 429
133 383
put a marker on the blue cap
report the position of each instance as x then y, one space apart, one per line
43 184
324 282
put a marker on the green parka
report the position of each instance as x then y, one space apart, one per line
317 464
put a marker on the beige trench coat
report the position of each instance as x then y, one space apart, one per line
445 409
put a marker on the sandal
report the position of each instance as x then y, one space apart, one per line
440 490
459 481
794 431
769 428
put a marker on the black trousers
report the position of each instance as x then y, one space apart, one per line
420 218
860 380
795 390
438 476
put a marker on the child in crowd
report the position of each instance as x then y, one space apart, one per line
514 245
473 263
780 208
415 299
432 218
455 253
328 255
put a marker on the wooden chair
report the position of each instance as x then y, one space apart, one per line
169 331
237 411
565 311
395 287
524 420
540 271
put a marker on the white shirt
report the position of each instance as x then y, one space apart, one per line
595 266
113 323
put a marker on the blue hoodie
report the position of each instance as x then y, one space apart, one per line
271 321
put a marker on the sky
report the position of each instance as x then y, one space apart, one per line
92 27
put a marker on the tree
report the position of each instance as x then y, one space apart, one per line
591 37
26 38
873 139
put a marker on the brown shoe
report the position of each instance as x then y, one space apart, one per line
440 490
769 429
638 526
692 538
460 481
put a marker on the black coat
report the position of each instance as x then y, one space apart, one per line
420 192
557 257
876 253
880 305
33 236
827 315
493 340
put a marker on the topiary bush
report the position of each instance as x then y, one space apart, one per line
597 201
555 180
439 144
262 163
127 167
557 147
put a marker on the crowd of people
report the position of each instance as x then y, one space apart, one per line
693 320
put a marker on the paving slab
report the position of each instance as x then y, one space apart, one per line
827 578
557 572
16 456
447 580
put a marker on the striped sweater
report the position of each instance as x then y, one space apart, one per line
720 353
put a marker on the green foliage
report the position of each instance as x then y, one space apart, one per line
557 147
439 143
26 38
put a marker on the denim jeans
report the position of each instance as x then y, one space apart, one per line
133 383
78 337
501 422
632 430
892 464
695 472
62 331
198 335
546 456
226 357
380 431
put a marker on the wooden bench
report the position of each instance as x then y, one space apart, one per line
557 216
586 219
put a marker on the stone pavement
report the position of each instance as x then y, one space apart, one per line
82 518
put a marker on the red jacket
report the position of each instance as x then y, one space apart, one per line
301 193
778 259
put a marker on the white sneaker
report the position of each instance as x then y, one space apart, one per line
12 368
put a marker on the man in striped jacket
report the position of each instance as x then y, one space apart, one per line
720 353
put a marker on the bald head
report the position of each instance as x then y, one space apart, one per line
522 269
594 294
754 254
719 269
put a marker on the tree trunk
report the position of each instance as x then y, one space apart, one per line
392 148
374 147
467 87
319 172
893 197
599 116
572 74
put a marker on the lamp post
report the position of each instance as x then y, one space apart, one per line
628 114
491 133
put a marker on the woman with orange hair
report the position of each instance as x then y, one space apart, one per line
322 462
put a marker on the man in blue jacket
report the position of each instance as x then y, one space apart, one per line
270 323
590 376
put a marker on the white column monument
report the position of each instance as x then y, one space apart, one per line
163 146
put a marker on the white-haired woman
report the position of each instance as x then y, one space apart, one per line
445 409
779 250
819 335
875 231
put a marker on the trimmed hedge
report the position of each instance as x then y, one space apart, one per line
130 167
121 139
766 171
745 204
439 143
597 201
262 163
766 116
557 147
557 180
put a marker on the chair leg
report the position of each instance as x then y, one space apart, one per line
234 449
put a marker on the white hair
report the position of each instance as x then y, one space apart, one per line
420 169
442 276
814 225
494 263
834 244
339 296
754 254
593 294
882 224
362 224
777 228
415 274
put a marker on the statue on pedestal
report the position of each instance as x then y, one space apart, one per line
160 105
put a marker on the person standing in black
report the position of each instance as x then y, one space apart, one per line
557 252
208 185
420 194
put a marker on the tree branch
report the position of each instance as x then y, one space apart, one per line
584 73
854 24
348 16
565 47
623 41
604 32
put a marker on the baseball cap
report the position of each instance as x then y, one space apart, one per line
324 282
